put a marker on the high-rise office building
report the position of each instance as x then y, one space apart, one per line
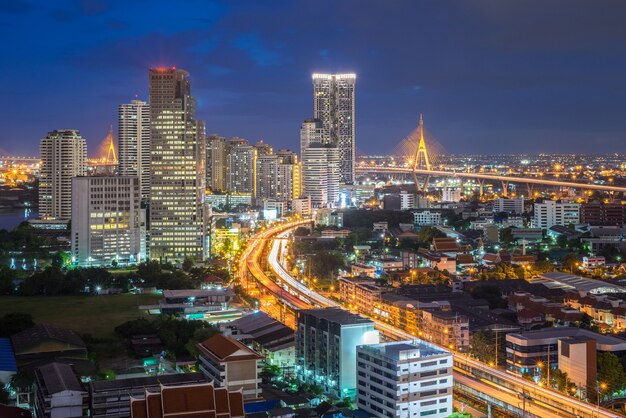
333 105
311 132
326 341
241 167
108 224
63 156
133 139
321 174
178 220
404 379
216 163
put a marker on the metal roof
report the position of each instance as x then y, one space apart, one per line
7 356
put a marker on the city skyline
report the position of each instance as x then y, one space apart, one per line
557 88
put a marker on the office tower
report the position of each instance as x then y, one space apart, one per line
63 156
333 104
514 206
311 132
241 167
133 139
178 157
108 224
320 174
216 163
326 341
550 213
404 379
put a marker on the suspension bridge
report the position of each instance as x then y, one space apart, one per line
423 153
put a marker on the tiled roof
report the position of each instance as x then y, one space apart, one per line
41 333
227 349
58 377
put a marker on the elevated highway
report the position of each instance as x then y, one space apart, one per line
473 378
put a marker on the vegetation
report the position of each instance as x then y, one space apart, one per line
96 315
491 293
15 322
482 346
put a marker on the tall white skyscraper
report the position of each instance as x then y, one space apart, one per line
133 139
178 218
108 224
333 105
320 174
63 156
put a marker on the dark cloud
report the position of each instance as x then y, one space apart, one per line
489 75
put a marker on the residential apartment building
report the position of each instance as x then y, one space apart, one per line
602 214
333 105
312 132
404 379
60 393
241 166
178 217
551 212
108 224
63 155
231 365
321 174
326 341
216 163
445 328
133 139
426 217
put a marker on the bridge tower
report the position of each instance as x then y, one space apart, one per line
111 158
421 160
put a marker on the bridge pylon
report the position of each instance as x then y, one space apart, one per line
421 160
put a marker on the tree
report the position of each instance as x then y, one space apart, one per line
482 346
611 372
15 322
187 264
506 236
570 262
491 293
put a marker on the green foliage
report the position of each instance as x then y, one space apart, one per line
428 233
15 322
302 231
611 371
570 262
325 264
483 347
501 271
460 415
491 293
506 236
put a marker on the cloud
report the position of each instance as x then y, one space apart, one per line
257 50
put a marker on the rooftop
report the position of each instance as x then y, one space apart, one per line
337 315
556 279
543 336
227 349
58 377
7 357
399 350
40 333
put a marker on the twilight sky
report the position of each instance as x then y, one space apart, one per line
490 76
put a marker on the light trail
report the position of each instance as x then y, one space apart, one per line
541 400
495 177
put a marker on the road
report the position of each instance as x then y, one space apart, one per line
475 375
496 177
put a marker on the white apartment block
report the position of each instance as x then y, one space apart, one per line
404 379
320 174
426 217
301 206
133 139
108 224
514 206
407 200
451 194
63 155
333 105
311 132
550 213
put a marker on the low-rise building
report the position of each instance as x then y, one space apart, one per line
60 393
231 365
591 262
400 379
426 217
578 359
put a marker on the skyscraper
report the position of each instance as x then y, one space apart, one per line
133 138
178 157
320 174
278 176
333 105
216 163
241 167
63 156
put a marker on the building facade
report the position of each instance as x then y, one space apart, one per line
321 174
404 379
133 139
311 132
326 341
550 213
333 105
108 224
216 163
514 206
241 164
63 156
178 220
426 217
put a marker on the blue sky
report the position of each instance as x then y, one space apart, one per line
490 76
